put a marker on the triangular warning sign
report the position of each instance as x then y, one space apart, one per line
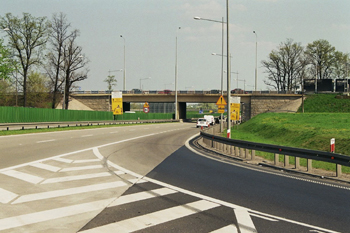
221 101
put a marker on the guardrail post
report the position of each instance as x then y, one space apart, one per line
286 160
338 170
297 163
309 165
236 151
276 159
241 152
232 150
246 153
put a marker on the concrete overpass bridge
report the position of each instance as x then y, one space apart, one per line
252 103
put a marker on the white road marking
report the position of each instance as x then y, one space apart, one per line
47 215
119 173
228 229
51 140
46 167
6 196
23 176
114 132
69 169
141 196
86 161
67 192
155 218
78 177
89 135
245 223
63 160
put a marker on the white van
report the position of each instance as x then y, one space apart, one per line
210 119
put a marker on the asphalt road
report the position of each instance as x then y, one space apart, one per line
144 179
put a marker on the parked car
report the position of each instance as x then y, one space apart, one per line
202 122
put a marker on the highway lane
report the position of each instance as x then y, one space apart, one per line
191 193
301 199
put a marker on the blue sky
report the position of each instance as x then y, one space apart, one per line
151 26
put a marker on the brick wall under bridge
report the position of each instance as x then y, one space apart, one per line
252 104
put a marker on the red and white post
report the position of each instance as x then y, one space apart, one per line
332 145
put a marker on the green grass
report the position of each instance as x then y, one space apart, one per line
324 117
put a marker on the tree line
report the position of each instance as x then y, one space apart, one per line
41 56
291 63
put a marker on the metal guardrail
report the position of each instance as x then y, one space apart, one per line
337 159
42 125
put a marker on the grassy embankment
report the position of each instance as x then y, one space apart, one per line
324 117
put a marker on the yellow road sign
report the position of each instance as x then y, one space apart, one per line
221 101
235 109
221 108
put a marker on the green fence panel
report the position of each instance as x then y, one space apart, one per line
20 114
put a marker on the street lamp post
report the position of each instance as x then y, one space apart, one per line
143 79
256 60
228 72
176 74
222 57
124 73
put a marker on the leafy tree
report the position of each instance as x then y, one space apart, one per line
7 65
27 36
321 56
285 66
38 90
111 81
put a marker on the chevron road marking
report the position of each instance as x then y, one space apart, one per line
245 223
228 229
155 218
77 177
6 196
26 219
142 196
46 167
70 191
23 176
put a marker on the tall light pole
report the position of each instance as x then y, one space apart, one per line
124 70
176 65
143 79
222 57
256 60
228 72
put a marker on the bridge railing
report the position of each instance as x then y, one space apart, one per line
168 92
242 148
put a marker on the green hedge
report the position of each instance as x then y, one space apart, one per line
21 114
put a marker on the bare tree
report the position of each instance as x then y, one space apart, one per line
73 61
27 36
58 36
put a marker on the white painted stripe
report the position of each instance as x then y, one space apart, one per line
245 223
142 196
152 219
86 161
63 160
67 192
263 217
68 169
47 215
23 176
89 135
78 177
6 196
51 140
114 132
137 180
97 153
227 229
119 173
46 167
